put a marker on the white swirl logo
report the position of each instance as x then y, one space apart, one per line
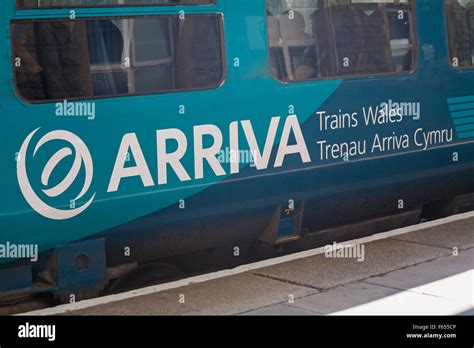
82 155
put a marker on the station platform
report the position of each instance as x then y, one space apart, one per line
426 269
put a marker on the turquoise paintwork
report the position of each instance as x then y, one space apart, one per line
463 120
247 93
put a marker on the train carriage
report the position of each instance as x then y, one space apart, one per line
136 131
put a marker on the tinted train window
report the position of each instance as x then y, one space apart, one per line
312 39
110 57
22 4
460 25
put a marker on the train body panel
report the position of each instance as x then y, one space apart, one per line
323 151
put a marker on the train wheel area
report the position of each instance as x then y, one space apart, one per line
426 269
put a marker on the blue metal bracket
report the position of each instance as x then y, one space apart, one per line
81 265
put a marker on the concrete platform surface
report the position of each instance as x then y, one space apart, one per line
429 271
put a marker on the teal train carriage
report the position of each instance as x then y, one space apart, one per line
135 131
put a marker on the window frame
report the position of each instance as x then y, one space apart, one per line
413 70
447 40
18 8
216 86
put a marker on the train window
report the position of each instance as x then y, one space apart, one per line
29 4
314 39
88 58
460 25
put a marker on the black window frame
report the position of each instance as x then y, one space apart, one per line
217 85
413 70
447 41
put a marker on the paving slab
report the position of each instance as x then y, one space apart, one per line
407 303
380 257
458 234
225 296
468 312
282 309
450 277
440 287
344 297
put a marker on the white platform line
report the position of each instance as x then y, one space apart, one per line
238 270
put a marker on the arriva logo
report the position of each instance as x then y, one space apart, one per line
82 156
205 159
